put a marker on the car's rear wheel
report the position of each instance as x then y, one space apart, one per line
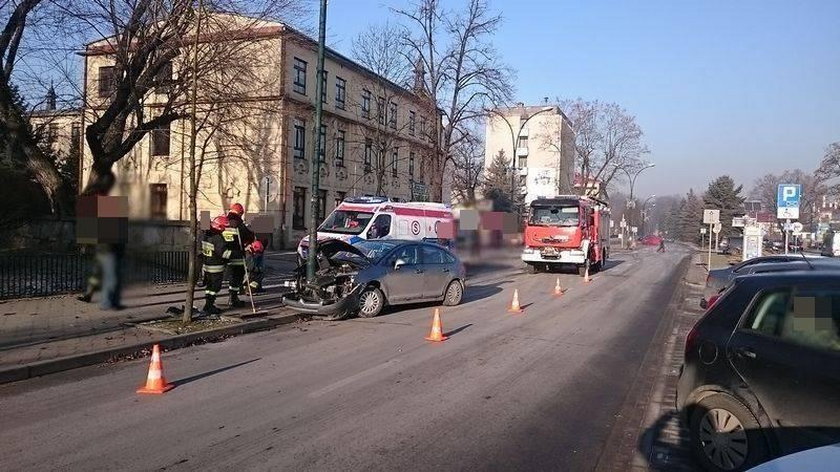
454 294
725 436
371 302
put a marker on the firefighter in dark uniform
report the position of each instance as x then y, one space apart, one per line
215 250
237 236
256 265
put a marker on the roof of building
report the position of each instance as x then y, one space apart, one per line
263 29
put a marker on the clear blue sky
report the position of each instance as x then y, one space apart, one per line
744 87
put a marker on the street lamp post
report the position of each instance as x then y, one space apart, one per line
515 135
632 178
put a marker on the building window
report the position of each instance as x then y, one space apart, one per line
339 148
157 201
392 117
76 138
163 78
366 104
299 211
300 76
322 145
340 92
324 88
107 81
160 141
523 163
411 164
394 161
322 205
423 128
339 197
300 139
412 122
368 154
52 133
380 110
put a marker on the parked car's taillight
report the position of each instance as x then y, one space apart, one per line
691 340
711 302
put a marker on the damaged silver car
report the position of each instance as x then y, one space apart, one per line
365 277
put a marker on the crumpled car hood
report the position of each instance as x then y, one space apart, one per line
331 247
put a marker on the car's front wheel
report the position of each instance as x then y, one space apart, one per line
454 294
371 302
725 436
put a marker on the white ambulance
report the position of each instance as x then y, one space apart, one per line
358 218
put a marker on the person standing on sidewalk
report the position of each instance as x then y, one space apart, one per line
237 236
215 250
102 220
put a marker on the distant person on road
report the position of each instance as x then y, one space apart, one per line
661 245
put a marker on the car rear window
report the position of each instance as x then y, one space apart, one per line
809 317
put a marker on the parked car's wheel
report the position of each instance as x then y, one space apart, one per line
371 302
531 268
454 293
725 436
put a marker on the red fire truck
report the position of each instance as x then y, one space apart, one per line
567 230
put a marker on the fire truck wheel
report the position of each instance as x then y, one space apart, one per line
584 267
532 269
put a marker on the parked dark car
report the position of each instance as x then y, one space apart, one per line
364 277
717 279
761 376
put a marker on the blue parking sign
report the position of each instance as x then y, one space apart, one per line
789 195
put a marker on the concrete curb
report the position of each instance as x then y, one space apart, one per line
51 366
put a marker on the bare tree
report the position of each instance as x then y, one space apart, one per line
462 71
608 139
765 189
829 168
20 142
467 176
381 49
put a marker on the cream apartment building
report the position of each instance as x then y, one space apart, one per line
257 137
61 128
539 142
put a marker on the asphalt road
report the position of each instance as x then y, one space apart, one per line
532 391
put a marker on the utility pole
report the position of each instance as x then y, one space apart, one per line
316 157
188 303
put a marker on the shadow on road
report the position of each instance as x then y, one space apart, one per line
667 444
187 380
475 293
457 330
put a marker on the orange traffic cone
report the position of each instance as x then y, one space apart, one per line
155 382
514 305
586 278
436 334
558 290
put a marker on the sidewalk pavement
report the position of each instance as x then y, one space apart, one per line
39 330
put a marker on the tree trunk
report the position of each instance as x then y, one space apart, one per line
25 150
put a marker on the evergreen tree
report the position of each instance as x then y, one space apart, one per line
723 195
691 218
496 185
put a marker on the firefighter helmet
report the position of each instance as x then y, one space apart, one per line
257 247
219 223
238 209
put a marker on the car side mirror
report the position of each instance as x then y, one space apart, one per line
399 263
704 304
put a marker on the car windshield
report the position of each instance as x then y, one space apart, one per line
375 249
346 222
554 215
